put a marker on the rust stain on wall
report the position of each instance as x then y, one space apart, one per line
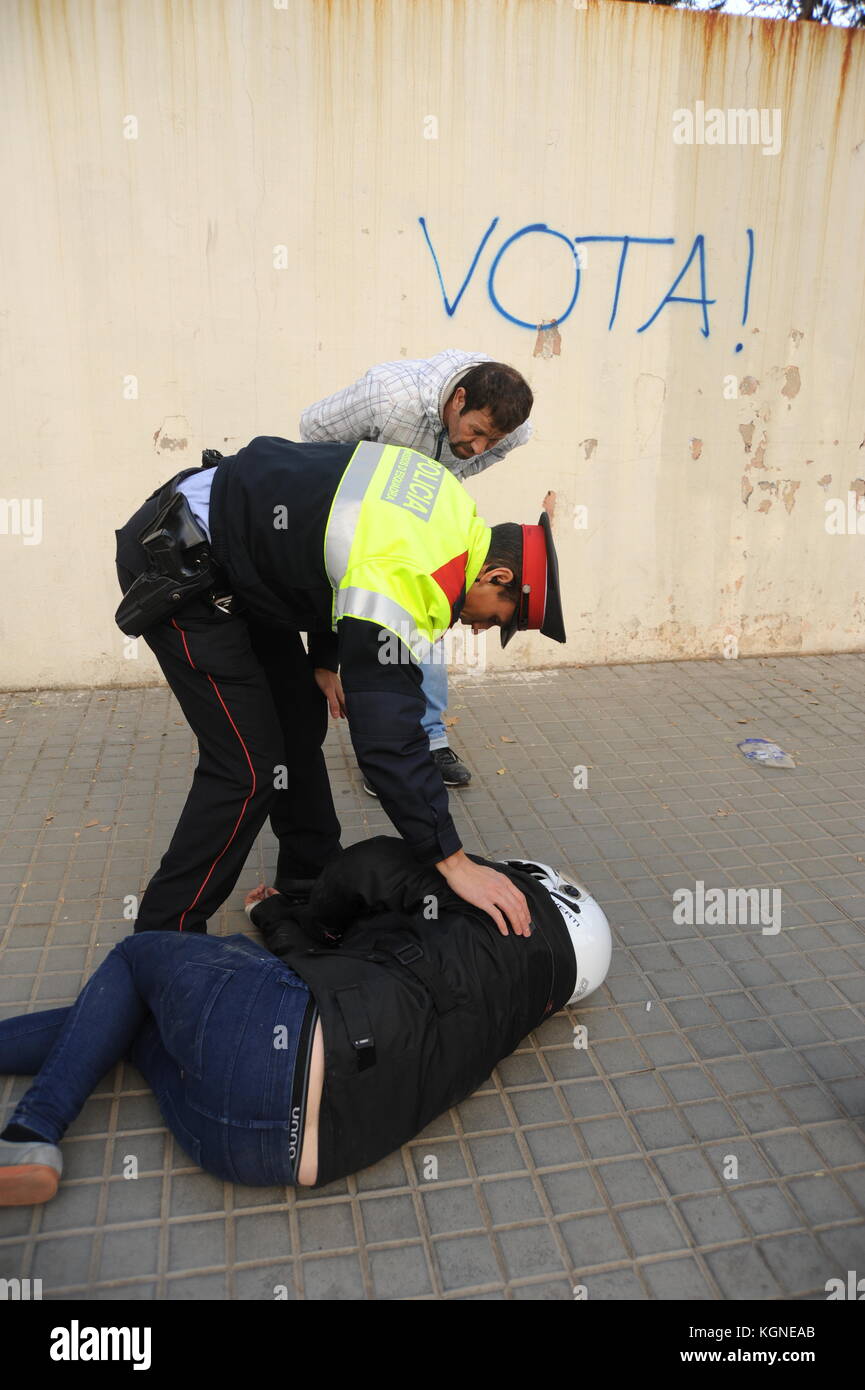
696 447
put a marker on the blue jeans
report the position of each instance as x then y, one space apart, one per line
435 688
212 1023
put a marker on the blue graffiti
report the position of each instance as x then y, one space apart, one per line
697 251
671 298
524 231
627 242
739 346
451 309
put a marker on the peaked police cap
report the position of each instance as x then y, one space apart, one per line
539 607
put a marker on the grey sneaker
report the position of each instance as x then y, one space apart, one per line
29 1172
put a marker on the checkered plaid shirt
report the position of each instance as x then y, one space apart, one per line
401 403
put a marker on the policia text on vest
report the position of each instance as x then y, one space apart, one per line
414 487
372 540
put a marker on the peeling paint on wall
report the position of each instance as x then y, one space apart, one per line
785 488
172 435
696 447
788 493
760 450
590 445
792 382
549 341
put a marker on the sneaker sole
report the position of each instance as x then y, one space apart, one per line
26 1184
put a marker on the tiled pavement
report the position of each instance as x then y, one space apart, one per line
609 1167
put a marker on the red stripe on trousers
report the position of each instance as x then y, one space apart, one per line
251 769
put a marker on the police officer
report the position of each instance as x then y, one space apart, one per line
373 551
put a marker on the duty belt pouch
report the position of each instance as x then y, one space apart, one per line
180 566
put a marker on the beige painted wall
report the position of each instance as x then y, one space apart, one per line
307 127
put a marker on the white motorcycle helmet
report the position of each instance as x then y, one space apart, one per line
585 920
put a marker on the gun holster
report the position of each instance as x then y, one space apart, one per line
180 565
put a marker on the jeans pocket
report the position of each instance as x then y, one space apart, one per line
184 1010
252 1089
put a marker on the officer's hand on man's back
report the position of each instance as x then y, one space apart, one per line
489 890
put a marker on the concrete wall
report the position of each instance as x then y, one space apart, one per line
156 154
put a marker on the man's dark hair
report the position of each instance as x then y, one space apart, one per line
501 390
506 548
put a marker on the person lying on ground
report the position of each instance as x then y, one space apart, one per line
380 1000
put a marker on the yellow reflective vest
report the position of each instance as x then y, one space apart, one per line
403 544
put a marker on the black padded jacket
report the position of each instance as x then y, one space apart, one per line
421 998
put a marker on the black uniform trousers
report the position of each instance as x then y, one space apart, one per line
250 696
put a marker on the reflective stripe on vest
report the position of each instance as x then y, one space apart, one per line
345 509
353 602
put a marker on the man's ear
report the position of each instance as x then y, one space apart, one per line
458 400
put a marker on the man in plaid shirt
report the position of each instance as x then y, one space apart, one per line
461 408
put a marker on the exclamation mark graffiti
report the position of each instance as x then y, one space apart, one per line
750 235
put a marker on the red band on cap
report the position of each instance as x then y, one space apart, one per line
535 573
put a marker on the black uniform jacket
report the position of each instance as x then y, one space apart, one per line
268 512
420 999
